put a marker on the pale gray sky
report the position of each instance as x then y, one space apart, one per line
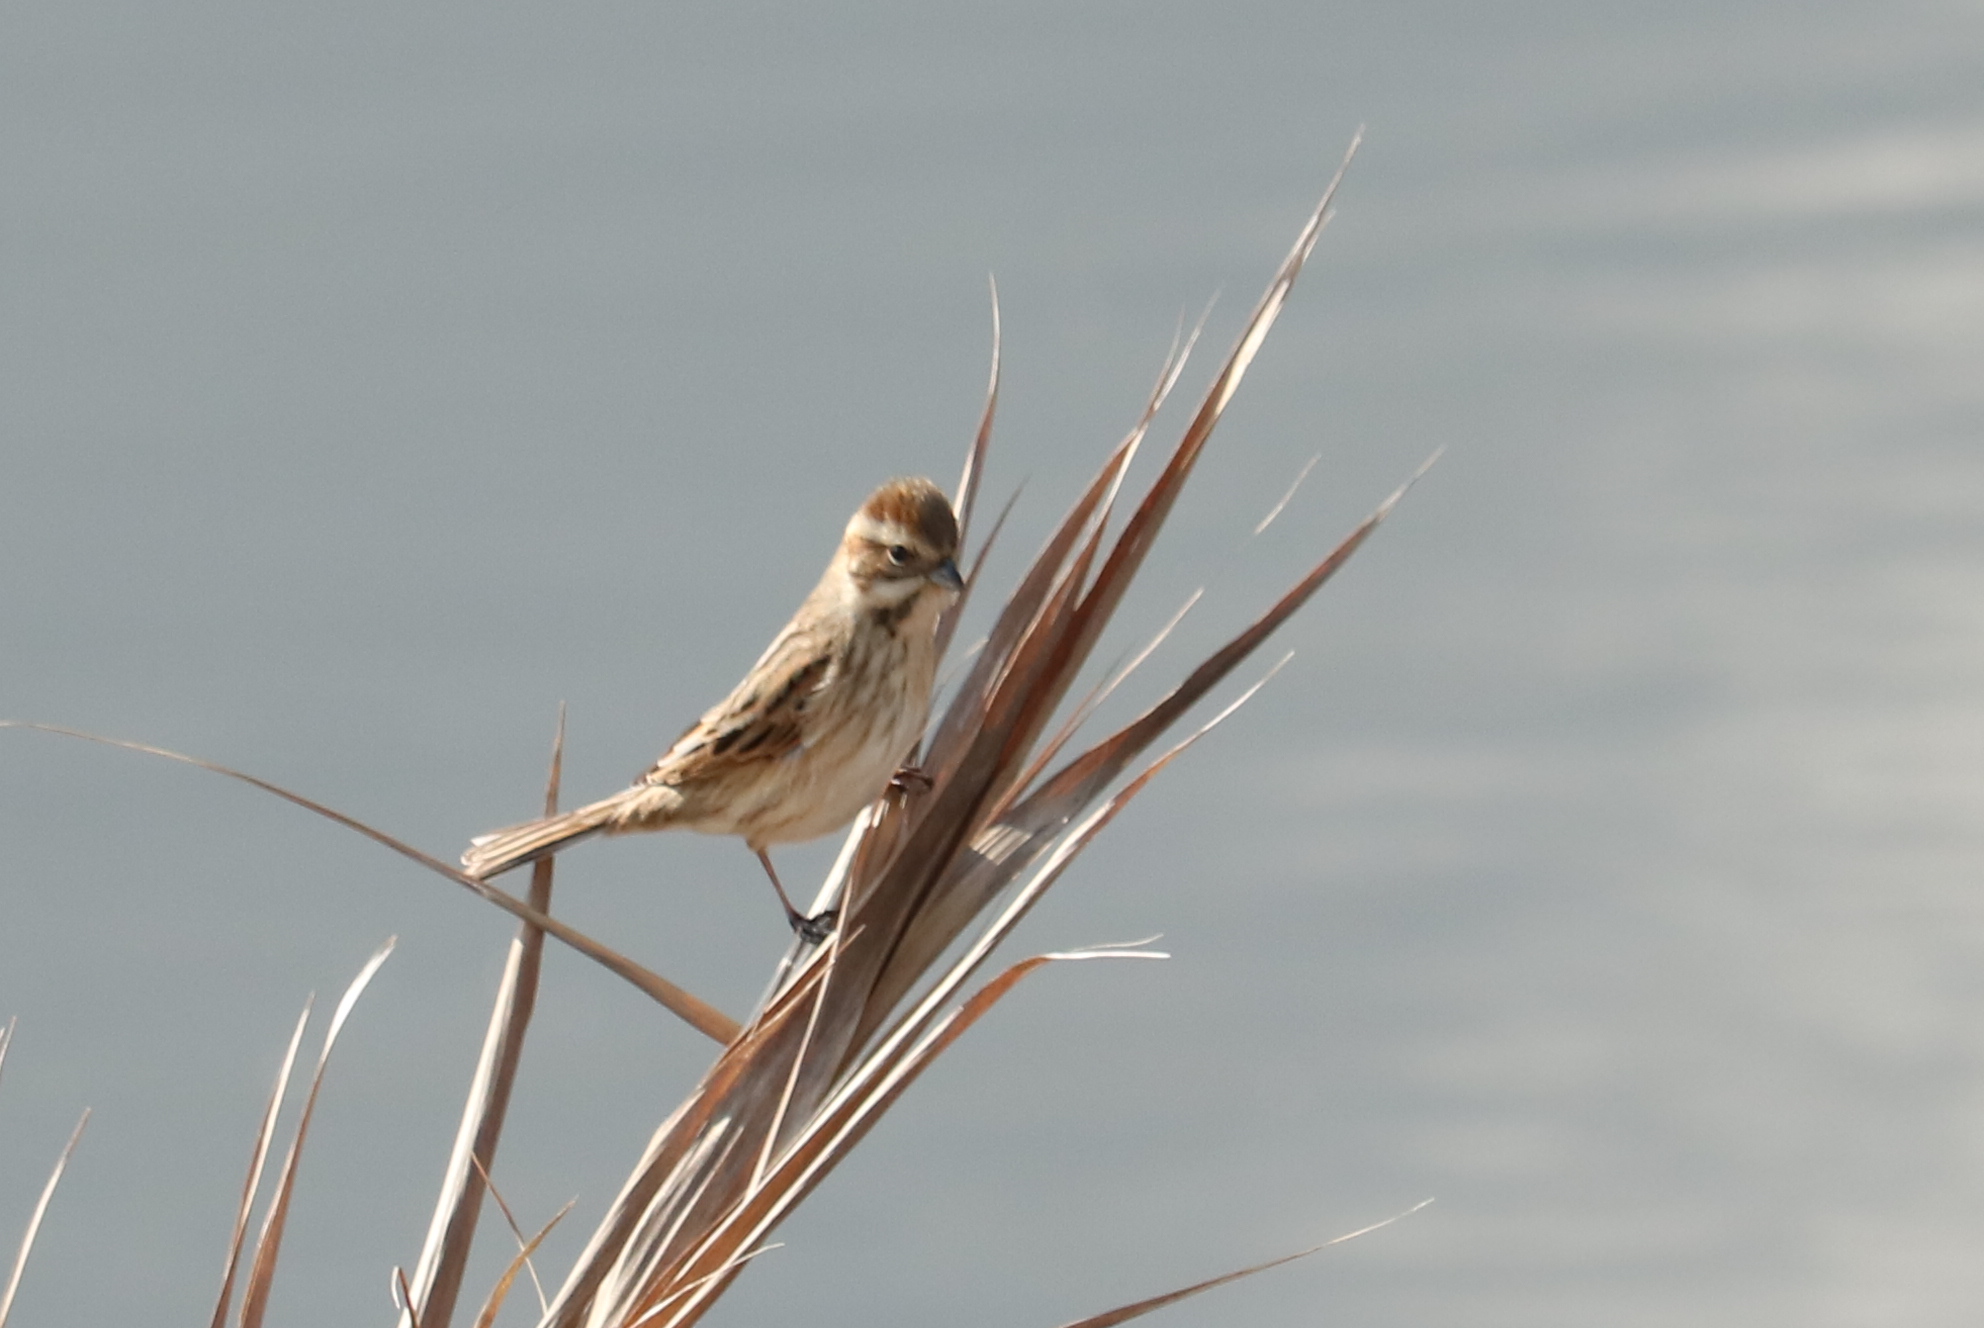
1606 864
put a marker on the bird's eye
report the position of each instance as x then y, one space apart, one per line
898 554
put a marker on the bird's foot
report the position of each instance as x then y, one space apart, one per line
911 779
815 929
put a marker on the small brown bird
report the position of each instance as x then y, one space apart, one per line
819 726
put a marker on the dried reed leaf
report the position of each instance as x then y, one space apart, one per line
268 1246
831 1139
444 1255
258 1157
1023 606
1289 496
516 1229
403 1296
494 1305
34 1221
1103 762
669 1302
705 1018
653 1197
1124 1313
1028 832
1126 557
1085 709
974 460
1091 512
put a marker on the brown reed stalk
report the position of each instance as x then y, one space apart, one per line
437 1278
268 1245
26 1246
698 1014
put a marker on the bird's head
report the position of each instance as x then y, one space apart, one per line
903 542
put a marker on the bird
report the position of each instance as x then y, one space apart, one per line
819 727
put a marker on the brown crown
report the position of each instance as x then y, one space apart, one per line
917 505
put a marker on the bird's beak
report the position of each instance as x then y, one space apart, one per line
946 575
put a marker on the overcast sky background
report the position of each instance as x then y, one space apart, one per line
1606 864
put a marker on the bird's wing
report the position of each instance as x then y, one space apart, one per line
762 720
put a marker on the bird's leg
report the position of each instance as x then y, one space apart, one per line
911 779
812 930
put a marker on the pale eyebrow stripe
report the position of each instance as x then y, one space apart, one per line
877 532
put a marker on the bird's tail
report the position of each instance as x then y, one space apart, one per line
495 853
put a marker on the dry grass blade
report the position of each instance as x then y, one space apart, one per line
1103 762
268 1246
494 1305
1124 1313
444 1255
700 1015
1289 496
655 1198
1030 604
7 1040
34 1222
258 1158
970 481
1126 557
1001 854
1085 709
830 1139
403 1295
1049 584
653 1316
516 1229
974 460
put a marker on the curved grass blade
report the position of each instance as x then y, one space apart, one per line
1289 496
257 1159
1106 760
974 460
1124 1313
667 1302
403 1296
1102 691
1099 605
268 1246
972 479
437 1277
1023 610
516 1229
831 1138
34 1222
494 1305
698 1014
1033 830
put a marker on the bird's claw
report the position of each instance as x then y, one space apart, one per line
815 929
911 779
